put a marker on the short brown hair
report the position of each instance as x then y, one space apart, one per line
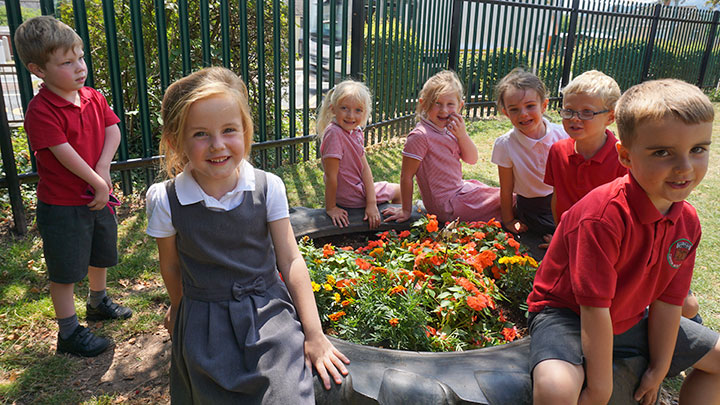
657 100
521 79
595 84
38 37
205 83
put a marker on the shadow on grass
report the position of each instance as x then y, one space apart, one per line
43 380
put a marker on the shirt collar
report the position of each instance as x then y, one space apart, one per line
529 142
643 208
60 102
189 191
607 148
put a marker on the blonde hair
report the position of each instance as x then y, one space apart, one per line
347 89
209 82
595 84
657 100
38 37
444 82
521 79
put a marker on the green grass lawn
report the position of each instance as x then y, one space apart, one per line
30 372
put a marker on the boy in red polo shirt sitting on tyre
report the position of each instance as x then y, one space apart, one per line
588 159
74 134
627 245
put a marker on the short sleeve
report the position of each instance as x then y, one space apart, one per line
157 207
331 144
552 156
592 248
276 203
678 288
416 146
44 129
500 152
109 116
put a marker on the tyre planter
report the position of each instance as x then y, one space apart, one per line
495 375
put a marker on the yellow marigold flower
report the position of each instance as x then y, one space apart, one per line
337 297
376 252
331 279
532 261
315 286
327 287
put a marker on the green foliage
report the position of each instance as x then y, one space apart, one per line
426 289
26 12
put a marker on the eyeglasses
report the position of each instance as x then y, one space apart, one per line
585 115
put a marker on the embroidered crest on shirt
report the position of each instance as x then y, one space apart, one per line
678 252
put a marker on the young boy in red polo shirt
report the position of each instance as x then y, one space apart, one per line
588 158
74 134
627 245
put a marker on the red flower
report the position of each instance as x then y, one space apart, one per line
478 302
509 334
404 234
394 322
513 243
502 318
363 264
499 246
432 225
495 223
479 235
430 331
328 250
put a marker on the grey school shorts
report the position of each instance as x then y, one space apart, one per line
74 238
556 335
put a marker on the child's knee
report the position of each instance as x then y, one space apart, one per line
710 363
557 382
690 306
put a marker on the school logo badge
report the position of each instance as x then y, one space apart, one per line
678 252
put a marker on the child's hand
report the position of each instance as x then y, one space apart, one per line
515 226
100 198
169 321
646 394
322 355
396 213
372 215
456 125
339 216
547 238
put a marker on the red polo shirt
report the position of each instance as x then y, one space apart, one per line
51 120
573 176
613 249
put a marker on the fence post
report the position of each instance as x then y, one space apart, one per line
357 38
8 159
570 43
47 7
651 43
81 20
455 30
708 48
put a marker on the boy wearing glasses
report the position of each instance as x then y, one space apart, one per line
588 158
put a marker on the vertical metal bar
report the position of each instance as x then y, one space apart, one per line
651 42
244 40
344 36
486 63
161 42
332 41
570 44
47 7
357 41
277 81
262 128
12 9
81 27
116 86
319 58
465 63
292 58
708 48
455 29
205 33
10 168
183 21
376 61
225 31
381 74
306 77
139 54
401 32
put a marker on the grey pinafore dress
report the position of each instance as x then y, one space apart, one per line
237 338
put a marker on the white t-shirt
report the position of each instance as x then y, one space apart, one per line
527 157
189 192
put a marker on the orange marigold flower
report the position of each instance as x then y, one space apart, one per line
376 252
513 243
419 274
478 302
479 235
382 270
465 283
397 290
345 303
497 272
337 315
437 260
328 250
404 234
510 333
363 264
343 283
394 322
432 225
499 246
493 222
346 248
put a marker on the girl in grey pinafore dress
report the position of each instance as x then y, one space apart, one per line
237 338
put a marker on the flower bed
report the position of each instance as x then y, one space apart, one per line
426 289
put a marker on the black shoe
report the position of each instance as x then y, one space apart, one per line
107 310
82 342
